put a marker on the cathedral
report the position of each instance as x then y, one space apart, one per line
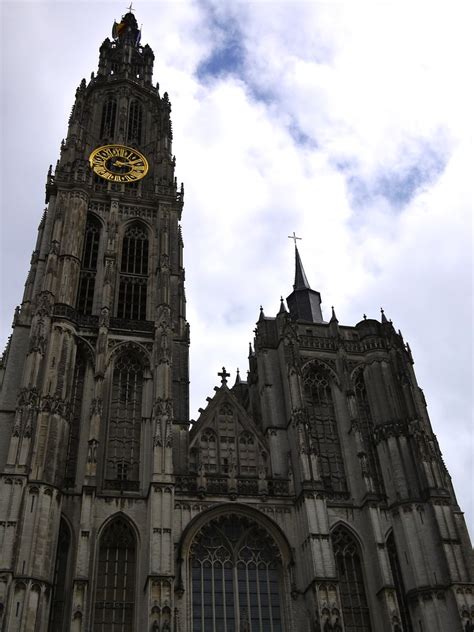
309 497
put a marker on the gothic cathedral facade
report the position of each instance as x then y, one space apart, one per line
311 497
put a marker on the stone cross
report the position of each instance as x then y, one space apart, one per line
223 375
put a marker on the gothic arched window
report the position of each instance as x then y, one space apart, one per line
208 450
90 253
124 428
133 273
236 578
135 116
109 114
367 430
355 609
61 589
398 582
323 427
77 396
247 453
115 579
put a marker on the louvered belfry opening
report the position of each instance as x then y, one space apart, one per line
115 579
236 578
133 274
109 115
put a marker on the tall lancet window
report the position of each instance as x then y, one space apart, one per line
355 609
399 585
236 578
115 579
135 116
133 273
61 589
124 428
109 115
90 253
324 430
77 396
366 425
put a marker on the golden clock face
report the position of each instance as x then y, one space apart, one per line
118 163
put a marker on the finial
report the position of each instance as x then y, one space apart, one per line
384 318
223 375
333 315
250 350
282 309
237 377
365 316
262 315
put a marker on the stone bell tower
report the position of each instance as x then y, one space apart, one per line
95 377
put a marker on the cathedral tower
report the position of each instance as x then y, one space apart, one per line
309 497
96 381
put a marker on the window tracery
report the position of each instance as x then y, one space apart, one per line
236 578
399 584
208 455
323 428
60 589
109 115
354 604
77 396
115 579
135 116
124 428
133 274
366 425
90 253
247 453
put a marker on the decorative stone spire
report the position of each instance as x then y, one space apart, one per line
333 316
304 303
384 318
282 309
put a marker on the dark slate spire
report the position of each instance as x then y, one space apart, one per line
304 303
301 282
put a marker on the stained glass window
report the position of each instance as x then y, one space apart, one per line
115 579
236 578
355 609
324 429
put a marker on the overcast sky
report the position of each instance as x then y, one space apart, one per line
347 122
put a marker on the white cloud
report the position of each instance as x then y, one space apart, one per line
327 92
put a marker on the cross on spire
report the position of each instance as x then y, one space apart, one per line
223 375
130 8
294 237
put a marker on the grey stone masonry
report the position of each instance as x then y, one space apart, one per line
311 497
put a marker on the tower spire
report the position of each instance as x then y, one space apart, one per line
303 303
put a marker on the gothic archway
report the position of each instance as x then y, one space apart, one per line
114 607
236 577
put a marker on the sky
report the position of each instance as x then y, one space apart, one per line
349 123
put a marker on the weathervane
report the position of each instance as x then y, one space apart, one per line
294 237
